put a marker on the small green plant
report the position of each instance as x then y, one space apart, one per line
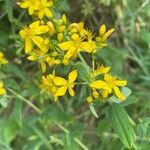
63 85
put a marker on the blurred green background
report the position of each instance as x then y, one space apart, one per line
69 124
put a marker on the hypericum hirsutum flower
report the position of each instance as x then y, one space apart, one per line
2 90
77 28
3 61
114 85
66 84
49 86
55 41
100 70
76 45
31 34
109 85
44 8
39 8
103 84
31 5
103 35
42 56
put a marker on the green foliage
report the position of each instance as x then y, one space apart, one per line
121 124
83 71
30 121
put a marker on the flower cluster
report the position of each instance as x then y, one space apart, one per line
39 8
103 84
56 42
58 86
3 61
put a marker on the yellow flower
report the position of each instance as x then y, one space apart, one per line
78 27
42 55
2 59
32 5
100 70
49 86
66 84
76 45
31 34
40 8
114 83
103 35
100 85
2 90
44 8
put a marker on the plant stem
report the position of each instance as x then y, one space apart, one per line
82 59
25 100
39 111
81 144
76 139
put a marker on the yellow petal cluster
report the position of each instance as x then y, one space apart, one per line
105 86
55 42
32 34
103 35
39 8
58 86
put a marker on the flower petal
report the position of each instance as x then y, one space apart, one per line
107 34
38 41
71 91
61 91
118 93
105 94
66 45
34 25
99 84
71 53
28 45
102 29
89 46
72 76
59 81
48 12
121 82
41 29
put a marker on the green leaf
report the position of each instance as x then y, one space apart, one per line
92 109
8 130
130 100
2 75
11 68
145 36
17 112
55 114
4 101
103 126
8 4
4 146
62 5
12 84
121 125
83 71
